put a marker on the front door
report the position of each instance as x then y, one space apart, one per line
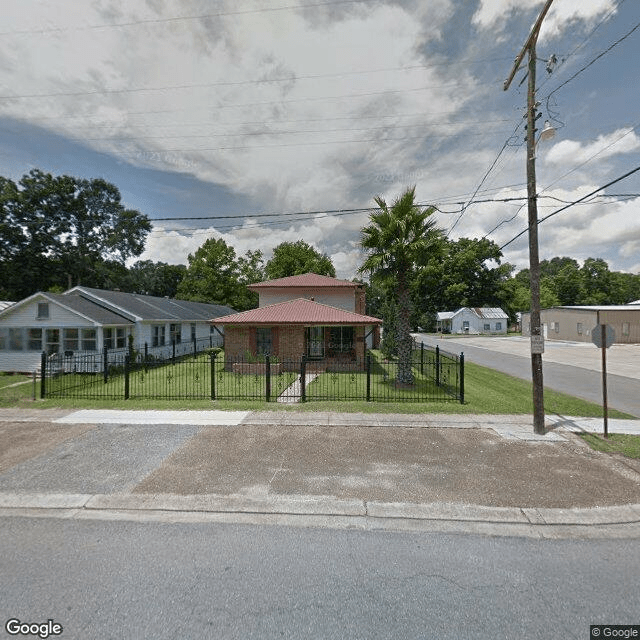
315 342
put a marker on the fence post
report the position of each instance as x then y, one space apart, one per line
267 378
105 363
437 366
303 379
422 358
213 375
126 376
461 377
43 375
368 364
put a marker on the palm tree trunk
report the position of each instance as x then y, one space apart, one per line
405 341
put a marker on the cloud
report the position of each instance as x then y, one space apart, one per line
494 14
572 152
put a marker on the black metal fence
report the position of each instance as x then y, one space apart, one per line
209 374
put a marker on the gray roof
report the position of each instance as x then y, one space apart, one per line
136 306
481 312
490 312
601 307
89 309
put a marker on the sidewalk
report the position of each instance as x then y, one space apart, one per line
418 472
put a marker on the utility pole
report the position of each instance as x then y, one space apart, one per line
537 343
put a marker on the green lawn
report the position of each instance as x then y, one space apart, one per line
626 444
188 378
486 391
7 380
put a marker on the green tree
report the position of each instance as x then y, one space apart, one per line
63 230
155 278
297 258
596 279
459 273
217 276
394 241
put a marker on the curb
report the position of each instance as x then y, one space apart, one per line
307 505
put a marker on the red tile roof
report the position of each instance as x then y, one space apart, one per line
298 311
311 280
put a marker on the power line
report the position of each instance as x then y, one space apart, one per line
571 204
600 55
271 132
486 175
220 14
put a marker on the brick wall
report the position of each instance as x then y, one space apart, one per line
360 300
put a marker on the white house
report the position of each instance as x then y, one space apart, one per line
86 320
476 320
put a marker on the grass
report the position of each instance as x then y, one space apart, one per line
7 380
626 444
486 391
15 389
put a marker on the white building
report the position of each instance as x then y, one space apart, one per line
85 320
473 320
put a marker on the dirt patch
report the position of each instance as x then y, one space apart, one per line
473 466
21 441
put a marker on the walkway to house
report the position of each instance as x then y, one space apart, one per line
293 392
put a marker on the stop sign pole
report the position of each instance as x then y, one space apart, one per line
605 409
603 336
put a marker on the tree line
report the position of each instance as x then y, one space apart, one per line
59 231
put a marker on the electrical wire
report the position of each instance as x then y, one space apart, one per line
571 204
486 175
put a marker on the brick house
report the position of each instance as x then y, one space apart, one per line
308 315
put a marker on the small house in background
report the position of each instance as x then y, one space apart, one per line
309 315
473 320
85 320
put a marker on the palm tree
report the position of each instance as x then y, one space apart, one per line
394 240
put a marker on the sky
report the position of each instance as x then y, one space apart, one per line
266 121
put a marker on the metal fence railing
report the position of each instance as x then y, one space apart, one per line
210 374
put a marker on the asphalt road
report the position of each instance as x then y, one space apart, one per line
567 367
101 579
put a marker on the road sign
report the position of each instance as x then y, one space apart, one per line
537 344
596 335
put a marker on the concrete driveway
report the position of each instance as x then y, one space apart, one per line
570 367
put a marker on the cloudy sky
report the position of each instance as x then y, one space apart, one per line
269 120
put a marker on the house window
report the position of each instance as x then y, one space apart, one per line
89 340
175 333
579 328
43 310
34 339
114 338
15 339
193 331
625 328
498 326
315 341
263 340
341 339
487 327
157 335
70 339
465 325
52 338
556 327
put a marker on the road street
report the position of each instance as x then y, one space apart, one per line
109 579
567 367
